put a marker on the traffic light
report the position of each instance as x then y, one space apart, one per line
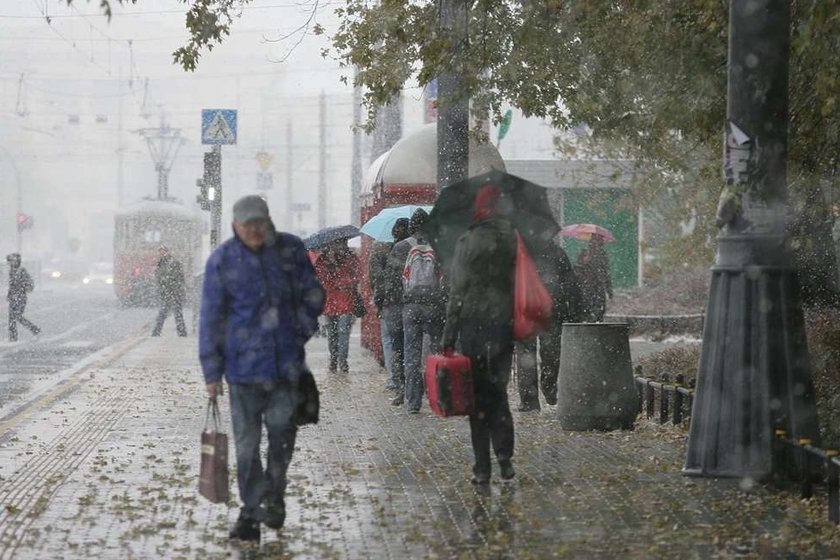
211 182
212 168
24 221
202 198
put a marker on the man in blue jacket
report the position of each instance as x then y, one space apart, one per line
260 304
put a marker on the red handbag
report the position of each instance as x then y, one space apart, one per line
449 384
532 304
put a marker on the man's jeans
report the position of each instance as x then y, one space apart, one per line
418 320
338 340
392 335
250 405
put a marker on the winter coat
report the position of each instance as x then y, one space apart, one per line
560 280
395 264
20 284
384 283
481 278
338 272
258 309
169 275
593 271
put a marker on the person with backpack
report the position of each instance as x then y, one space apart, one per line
424 304
20 284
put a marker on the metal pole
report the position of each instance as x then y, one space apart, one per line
290 199
753 375
322 162
216 209
356 167
453 102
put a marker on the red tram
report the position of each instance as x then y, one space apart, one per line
139 231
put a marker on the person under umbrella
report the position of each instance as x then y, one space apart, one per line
386 285
338 270
480 315
592 267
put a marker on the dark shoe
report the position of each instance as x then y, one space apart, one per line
528 407
550 399
414 411
275 516
398 400
506 469
480 479
245 529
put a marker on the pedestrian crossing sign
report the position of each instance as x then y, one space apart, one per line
218 126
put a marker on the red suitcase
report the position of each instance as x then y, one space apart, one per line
449 385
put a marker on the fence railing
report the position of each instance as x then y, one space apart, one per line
810 466
672 400
795 460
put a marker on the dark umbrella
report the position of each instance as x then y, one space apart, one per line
529 212
329 234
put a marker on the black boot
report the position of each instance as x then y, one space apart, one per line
275 514
245 529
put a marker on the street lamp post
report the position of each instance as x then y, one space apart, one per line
453 108
753 376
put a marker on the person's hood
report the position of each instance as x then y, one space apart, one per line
486 203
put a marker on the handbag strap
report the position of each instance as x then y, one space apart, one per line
212 412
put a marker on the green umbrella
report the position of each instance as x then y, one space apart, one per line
453 211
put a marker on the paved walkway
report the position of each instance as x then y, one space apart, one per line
105 466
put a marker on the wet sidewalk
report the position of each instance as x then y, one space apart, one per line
105 466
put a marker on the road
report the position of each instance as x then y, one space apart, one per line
77 322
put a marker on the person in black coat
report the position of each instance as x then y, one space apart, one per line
386 285
20 284
556 272
170 280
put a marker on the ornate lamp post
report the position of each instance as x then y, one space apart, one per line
754 375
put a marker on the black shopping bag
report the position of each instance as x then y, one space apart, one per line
309 400
213 476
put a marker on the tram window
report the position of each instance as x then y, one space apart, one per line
152 236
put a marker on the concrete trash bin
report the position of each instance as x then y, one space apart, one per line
595 389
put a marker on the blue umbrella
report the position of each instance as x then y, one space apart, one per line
379 227
328 235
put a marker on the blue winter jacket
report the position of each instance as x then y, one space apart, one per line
258 309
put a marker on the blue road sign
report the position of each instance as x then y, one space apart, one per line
218 126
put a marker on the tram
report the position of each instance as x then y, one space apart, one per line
139 232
